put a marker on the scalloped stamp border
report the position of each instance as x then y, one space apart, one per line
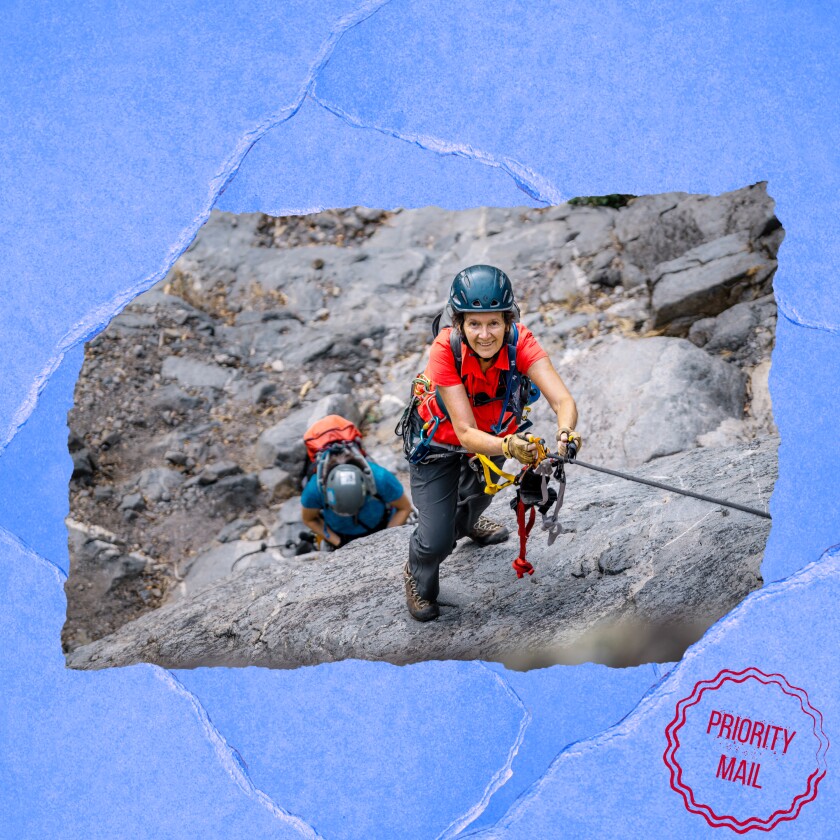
785 810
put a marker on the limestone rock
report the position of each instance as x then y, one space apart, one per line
282 445
629 553
158 483
215 564
173 398
191 373
761 408
234 493
640 399
707 280
276 483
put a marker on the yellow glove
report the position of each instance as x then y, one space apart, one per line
567 435
518 446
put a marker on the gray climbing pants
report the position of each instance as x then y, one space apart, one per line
449 497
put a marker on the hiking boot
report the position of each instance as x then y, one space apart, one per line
488 532
420 608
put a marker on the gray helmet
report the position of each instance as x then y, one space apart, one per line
346 490
481 288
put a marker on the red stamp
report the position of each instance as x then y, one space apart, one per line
746 750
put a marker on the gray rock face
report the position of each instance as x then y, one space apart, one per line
643 399
82 464
629 553
234 493
277 484
173 398
342 404
104 552
707 279
192 373
657 230
337 382
745 330
132 501
282 444
215 564
158 483
101 565
761 408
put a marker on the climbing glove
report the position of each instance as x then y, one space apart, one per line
518 446
566 435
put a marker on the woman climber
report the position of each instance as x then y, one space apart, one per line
470 401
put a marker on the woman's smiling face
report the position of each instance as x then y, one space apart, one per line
485 332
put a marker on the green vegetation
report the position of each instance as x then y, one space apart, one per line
615 200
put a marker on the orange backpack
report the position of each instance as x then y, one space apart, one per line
330 430
335 440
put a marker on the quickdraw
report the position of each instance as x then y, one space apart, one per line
533 494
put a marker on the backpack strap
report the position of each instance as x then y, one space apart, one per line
456 347
513 379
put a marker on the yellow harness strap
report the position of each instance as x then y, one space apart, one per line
490 486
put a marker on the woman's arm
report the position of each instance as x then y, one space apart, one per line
311 517
402 510
544 376
463 422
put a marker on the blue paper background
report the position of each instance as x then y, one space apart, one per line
121 125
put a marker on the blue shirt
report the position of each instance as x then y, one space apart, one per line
388 488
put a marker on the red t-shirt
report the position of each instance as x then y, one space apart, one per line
441 371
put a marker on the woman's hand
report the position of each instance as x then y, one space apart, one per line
566 436
518 446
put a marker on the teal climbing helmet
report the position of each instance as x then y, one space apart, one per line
481 288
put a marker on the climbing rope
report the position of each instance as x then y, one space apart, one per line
703 498
534 493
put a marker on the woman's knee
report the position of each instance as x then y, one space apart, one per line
434 541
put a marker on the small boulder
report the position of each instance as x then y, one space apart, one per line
133 502
176 457
83 464
336 382
276 483
191 373
172 398
234 493
158 483
235 529
217 563
706 280
282 445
